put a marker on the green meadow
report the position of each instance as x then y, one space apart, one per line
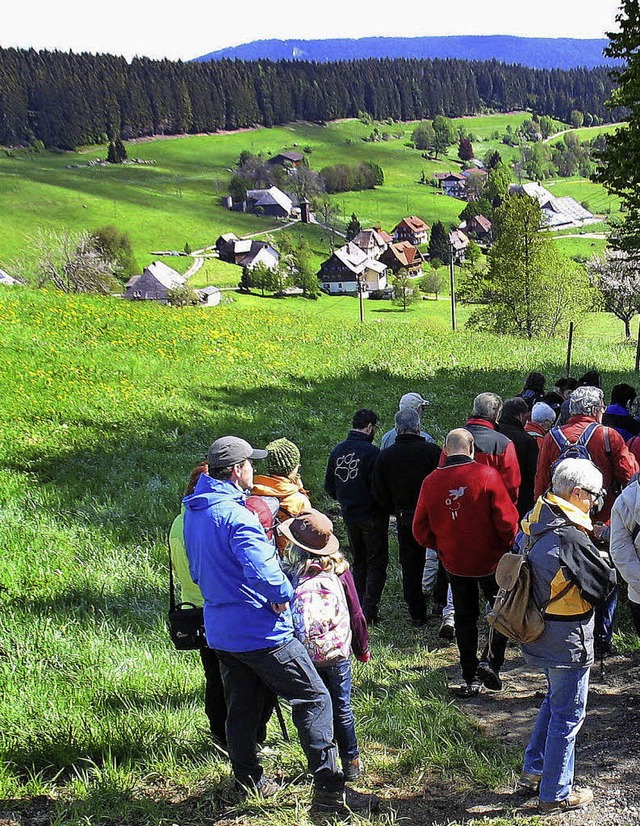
105 406
177 198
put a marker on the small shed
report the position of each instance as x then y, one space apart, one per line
154 284
209 296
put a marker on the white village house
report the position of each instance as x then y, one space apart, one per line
349 266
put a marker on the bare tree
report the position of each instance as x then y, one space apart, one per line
70 262
616 274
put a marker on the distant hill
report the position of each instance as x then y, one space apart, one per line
536 52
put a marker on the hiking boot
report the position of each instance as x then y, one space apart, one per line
265 787
578 797
343 801
528 782
352 769
447 629
490 678
471 688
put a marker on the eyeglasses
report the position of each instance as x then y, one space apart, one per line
591 493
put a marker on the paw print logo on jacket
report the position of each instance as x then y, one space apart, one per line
347 467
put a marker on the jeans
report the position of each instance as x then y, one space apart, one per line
215 706
551 749
337 679
465 592
412 562
369 543
288 671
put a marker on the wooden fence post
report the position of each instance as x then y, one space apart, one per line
569 346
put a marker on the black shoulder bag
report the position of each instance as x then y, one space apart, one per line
186 620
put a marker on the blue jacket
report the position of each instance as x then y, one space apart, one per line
236 568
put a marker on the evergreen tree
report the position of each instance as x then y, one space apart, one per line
439 245
530 289
465 149
444 134
619 170
353 227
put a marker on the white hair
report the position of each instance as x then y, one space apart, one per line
542 412
586 401
575 473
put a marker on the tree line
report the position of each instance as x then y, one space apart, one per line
66 99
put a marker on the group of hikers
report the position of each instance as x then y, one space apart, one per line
552 475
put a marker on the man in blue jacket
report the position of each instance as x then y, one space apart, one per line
248 622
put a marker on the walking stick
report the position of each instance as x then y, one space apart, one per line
283 726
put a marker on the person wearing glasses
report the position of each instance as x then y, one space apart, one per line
614 460
247 619
348 480
570 576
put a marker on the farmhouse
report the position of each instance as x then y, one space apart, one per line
350 266
7 279
412 229
371 241
451 183
246 252
479 228
403 255
557 213
154 284
272 202
459 242
290 160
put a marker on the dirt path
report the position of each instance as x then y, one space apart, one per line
608 753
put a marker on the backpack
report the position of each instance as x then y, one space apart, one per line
578 449
321 619
265 508
515 612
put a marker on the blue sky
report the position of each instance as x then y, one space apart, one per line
193 27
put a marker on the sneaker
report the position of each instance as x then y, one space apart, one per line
343 801
352 769
490 678
528 782
447 629
578 797
471 688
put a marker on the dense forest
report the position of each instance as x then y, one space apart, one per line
67 99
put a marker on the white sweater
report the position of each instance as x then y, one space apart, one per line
625 551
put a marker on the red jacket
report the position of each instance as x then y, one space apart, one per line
620 465
465 512
496 450
535 429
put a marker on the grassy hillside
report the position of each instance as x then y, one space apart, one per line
104 408
177 198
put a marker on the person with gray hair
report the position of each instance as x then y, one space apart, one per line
397 476
609 453
569 578
413 402
492 447
605 446
542 419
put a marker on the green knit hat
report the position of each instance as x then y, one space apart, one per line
282 457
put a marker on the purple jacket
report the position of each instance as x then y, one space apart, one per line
359 630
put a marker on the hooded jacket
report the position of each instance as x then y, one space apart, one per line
566 568
348 477
236 568
625 537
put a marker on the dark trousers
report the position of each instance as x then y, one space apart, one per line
441 587
215 706
288 671
634 607
337 679
603 622
411 557
369 543
466 591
